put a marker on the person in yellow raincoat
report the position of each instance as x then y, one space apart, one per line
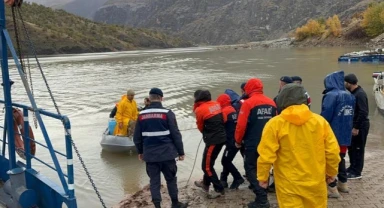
303 150
126 114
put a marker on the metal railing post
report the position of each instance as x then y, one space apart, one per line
7 88
4 137
68 144
26 139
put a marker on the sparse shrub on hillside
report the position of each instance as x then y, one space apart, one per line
334 25
319 28
311 29
373 19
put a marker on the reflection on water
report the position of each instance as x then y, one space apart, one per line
87 86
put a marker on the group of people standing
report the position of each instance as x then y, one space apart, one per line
306 150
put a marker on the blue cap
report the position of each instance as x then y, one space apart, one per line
286 79
156 91
296 78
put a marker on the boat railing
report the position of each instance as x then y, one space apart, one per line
68 187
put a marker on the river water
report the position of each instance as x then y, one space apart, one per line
87 86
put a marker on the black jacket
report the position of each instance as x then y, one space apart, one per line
113 112
360 118
157 135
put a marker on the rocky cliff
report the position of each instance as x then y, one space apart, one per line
223 21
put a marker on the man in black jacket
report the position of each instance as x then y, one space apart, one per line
158 142
360 128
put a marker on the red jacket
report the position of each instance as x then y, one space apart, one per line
225 102
255 112
230 118
209 120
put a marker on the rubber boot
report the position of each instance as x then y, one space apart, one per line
342 187
333 192
201 185
215 194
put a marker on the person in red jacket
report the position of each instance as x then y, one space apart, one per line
230 120
209 120
255 112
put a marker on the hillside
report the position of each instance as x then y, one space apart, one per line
50 3
223 21
82 8
56 31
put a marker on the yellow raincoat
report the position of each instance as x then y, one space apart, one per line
126 111
302 148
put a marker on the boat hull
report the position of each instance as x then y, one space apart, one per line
117 144
378 91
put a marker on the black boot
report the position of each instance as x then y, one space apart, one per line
224 183
259 205
236 183
177 204
157 204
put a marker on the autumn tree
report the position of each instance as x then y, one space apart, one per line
373 19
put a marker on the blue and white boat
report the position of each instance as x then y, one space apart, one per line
21 185
366 56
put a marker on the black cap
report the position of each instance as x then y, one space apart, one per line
286 79
296 78
351 79
156 91
242 85
2 84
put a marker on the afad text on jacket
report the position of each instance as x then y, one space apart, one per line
255 112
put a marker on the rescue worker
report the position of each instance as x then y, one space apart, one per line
147 102
255 112
360 128
303 150
126 115
337 108
230 120
299 81
210 122
158 142
283 81
236 100
243 96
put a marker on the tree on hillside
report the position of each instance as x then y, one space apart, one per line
334 25
373 19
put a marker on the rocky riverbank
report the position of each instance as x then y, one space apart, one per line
366 192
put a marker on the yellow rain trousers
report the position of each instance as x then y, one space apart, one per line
302 148
126 111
